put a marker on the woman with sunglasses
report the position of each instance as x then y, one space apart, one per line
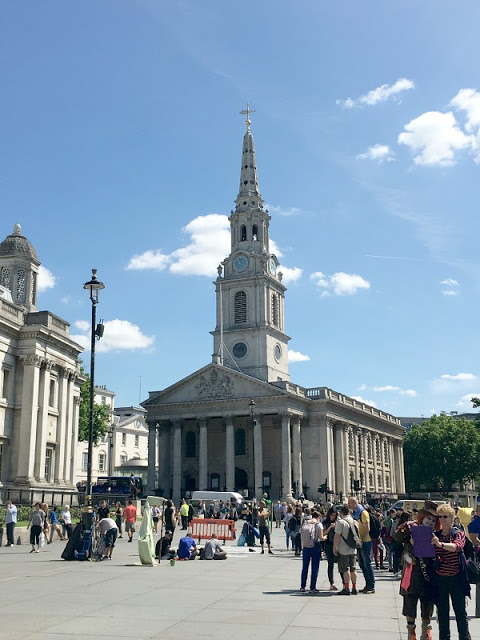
450 576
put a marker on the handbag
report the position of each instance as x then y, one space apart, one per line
241 540
41 540
473 571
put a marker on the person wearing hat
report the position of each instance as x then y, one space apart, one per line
451 579
416 583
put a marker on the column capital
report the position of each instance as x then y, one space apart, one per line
228 419
31 360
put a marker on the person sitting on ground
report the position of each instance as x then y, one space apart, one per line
163 548
109 530
213 550
187 548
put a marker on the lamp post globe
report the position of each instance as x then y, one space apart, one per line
93 286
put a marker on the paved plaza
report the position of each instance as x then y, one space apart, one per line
248 596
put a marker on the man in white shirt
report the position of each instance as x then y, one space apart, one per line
10 521
213 550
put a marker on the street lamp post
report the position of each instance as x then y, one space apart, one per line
251 405
94 286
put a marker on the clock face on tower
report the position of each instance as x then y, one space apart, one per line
240 263
272 266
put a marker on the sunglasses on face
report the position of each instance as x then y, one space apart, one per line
444 516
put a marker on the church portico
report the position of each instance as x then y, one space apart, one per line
239 423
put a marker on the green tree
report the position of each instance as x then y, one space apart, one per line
101 415
439 453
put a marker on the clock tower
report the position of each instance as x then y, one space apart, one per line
250 333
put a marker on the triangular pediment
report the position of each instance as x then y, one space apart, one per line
213 383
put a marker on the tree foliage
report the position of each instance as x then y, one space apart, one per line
101 415
442 451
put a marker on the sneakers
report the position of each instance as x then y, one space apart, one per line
354 591
426 633
369 591
333 587
270 552
411 632
262 551
33 550
344 592
314 591
302 589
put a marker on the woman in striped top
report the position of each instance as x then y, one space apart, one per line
450 581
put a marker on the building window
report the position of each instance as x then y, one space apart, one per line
33 289
275 314
351 448
123 458
51 397
21 278
377 450
267 480
48 464
379 482
243 233
124 439
190 445
240 448
102 460
103 400
6 376
1 460
6 278
360 447
387 482
214 481
84 461
137 440
254 232
385 452
240 307
370 480
369 448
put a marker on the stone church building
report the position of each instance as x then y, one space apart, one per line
239 423
39 378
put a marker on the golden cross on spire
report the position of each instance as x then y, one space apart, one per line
247 112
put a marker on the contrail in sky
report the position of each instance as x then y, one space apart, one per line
394 258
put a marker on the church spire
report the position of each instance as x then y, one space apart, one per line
249 198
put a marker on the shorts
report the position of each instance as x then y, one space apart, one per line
155 518
110 537
346 563
130 526
264 534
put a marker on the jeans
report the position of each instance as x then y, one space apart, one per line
389 548
365 562
397 554
331 561
10 529
287 533
450 586
310 555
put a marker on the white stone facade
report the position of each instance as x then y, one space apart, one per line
40 378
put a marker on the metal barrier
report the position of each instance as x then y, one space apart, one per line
205 528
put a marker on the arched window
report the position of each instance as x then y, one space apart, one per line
243 233
190 445
275 309
240 448
240 307
214 481
254 232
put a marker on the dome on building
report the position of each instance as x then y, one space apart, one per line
18 245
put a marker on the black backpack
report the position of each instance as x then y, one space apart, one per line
292 524
375 527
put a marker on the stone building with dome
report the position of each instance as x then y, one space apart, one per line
240 423
39 378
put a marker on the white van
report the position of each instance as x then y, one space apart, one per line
216 496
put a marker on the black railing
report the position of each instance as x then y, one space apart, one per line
56 496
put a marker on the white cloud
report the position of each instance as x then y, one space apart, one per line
340 283
468 100
434 138
362 387
387 387
360 399
459 376
290 274
296 356
449 292
209 244
379 152
465 401
118 335
411 393
291 211
380 94
46 279
450 282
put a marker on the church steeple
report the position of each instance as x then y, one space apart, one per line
249 197
250 331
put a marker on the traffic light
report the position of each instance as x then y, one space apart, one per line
356 485
322 488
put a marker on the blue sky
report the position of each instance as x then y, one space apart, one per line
120 149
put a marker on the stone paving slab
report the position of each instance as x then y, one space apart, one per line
247 596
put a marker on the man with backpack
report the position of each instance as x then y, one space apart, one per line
345 544
361 515
311 533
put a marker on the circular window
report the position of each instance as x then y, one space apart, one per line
245 182
244 202
240 350
278 352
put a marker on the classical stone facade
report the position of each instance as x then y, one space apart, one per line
39 378
208 434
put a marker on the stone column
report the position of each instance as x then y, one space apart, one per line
398 467
163 459
339 443
152 445
391 460
42 425
402 467
177 461
286 459
61 425
203 456
297 453
381 441
258 456
69 428
375 465
27 434
357 452
229 453
73 448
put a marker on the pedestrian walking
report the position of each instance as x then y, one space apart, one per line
10 522
36 521
130 517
